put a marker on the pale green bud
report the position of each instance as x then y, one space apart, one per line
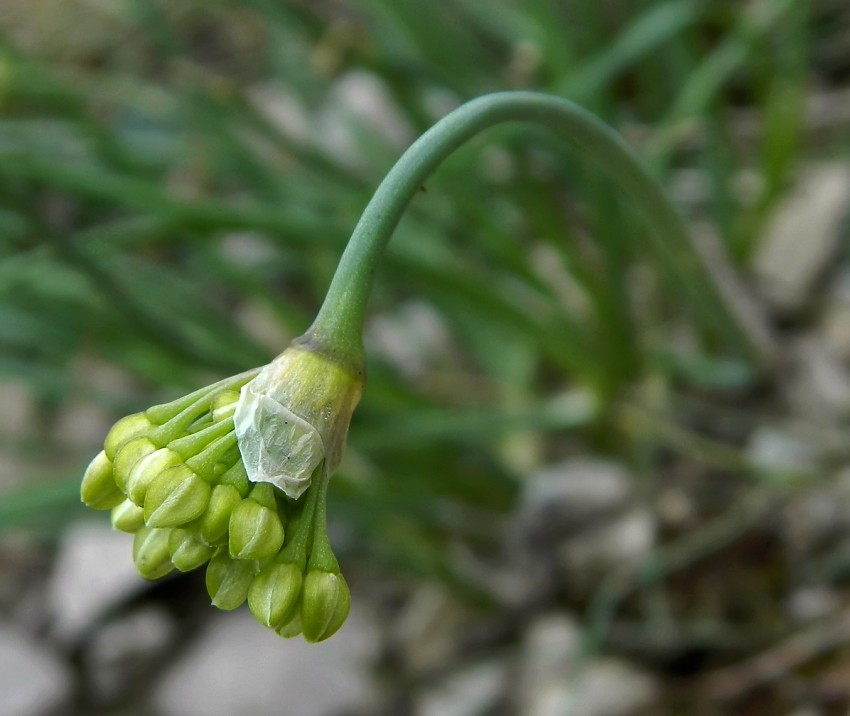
146 470
127 457
224 404
213 524
264 494
187 551
128 517
150 553
99 489
237 477
273 596
292 627
126 429
228 580
293 416
325 604
175 497
256 531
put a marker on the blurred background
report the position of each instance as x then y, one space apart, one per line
566 491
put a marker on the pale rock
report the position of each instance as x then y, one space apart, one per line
803 236
612 687
818 515
819 382
97 375
428 629
94 571
413 338
834 328
238 667
125 648
82 423
805 711
776 448
549 653
806 604
588 557
571 495
554 680
282 108
17 419
471 691
362 98
32 681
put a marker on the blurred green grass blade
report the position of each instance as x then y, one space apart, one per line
124 190
706 82
433 425
782 120
43 378
644 34
45 505
437 37
452 288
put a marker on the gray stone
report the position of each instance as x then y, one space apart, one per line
612 687
93 571
803 236
818 384
360 101
554 680
818 515
413 338
550 651
239 667
566 497
588 557
472 691
17 418
426 634
805 604
32 680
777 448
125 648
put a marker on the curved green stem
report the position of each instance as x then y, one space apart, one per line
338 328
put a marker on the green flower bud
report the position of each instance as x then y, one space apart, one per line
213 524
325 605
294 415
99 489
187 551
228 580
256 531
128 517
264 494
273 596
146 470
237 477
150 553
224 405
292 627
126 429
127 457
175 497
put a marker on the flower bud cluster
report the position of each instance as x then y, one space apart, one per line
174 476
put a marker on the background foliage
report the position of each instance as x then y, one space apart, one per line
178 179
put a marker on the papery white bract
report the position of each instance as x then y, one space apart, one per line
277 445
293 416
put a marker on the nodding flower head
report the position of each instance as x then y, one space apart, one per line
234 476
294 415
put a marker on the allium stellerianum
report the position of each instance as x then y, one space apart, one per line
234 476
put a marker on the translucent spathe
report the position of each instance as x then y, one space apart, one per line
277 446
293 416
